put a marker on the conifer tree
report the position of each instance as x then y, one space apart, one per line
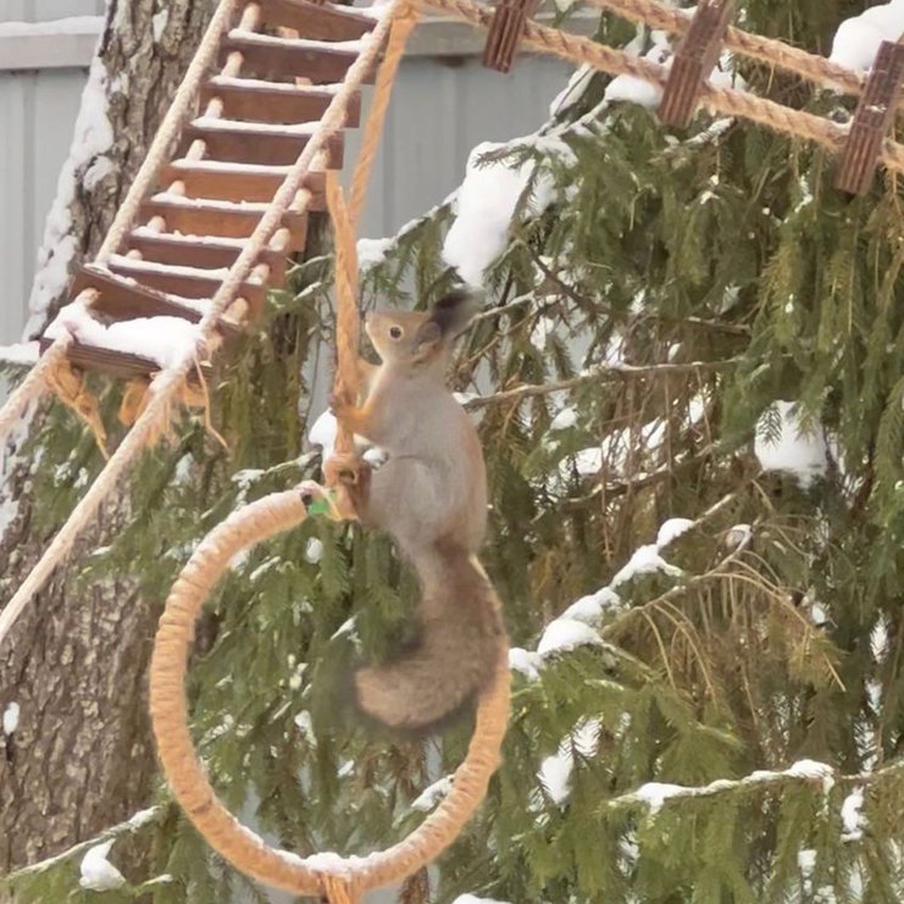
689 380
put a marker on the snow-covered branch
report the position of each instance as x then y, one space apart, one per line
135 823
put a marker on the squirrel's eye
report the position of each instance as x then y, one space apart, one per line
395 332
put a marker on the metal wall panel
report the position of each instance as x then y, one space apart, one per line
442 108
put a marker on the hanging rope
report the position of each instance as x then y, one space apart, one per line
402 28
347 219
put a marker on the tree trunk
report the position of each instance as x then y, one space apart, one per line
80 757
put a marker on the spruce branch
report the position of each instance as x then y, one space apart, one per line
655 795
134 824
603 374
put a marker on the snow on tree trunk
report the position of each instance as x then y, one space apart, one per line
80 756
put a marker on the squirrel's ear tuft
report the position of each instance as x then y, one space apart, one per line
453 312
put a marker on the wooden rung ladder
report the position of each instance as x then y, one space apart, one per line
255 117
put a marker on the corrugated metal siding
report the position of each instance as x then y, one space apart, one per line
442 108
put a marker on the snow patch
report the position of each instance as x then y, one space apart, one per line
655 794
372 252
644 560
671 530
98 874
24 353
856 42
158 23
11 718
794 450
591 609
555 771
431 796
313 552
852 819
646 94
543 329
166 340
527 662
565 634
305 725
564 420
812 770
484 206
472 899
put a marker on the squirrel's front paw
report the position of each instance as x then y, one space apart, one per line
341 406
343 467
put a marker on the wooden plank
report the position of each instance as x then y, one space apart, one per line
284 61
194 218
258 185
873 120
694 61
184 251
121 299
255 102
265 146
324 22
505 32
188 285
114 363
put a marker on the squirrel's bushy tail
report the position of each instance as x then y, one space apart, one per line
455 655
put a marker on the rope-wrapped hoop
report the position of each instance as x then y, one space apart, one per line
340 878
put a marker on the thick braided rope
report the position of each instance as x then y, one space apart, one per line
347 383
771 51
35 383
349 877
167 383
346 217
726 101
402 28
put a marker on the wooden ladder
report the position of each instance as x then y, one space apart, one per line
257 114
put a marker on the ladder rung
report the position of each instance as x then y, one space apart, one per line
124 365
189 282
276 60
257 101
323 22
198 251
193 217
267 147
236 182
121 298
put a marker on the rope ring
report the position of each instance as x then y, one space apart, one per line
188 779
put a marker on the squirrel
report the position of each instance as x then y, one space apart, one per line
431 497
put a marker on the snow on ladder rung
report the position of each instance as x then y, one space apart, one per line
187 282
198 250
